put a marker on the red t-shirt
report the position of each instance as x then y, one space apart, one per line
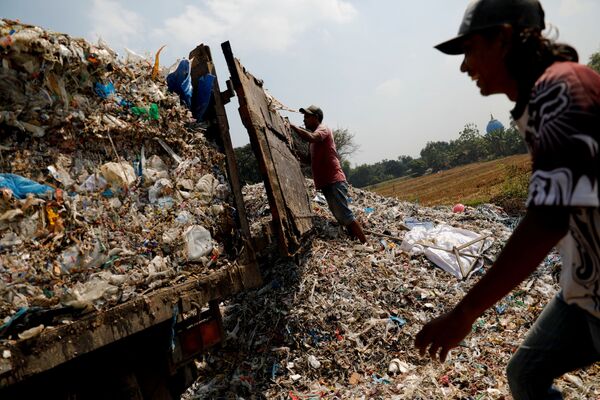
326 168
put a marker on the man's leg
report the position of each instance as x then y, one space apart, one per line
561 340
336 195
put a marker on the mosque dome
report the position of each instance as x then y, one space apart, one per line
494 125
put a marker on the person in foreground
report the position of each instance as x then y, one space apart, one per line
326 169
557 109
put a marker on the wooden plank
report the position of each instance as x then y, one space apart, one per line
270 138
295 194
202 64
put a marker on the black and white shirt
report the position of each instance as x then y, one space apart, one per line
561 126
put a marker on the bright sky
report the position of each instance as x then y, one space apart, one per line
369 64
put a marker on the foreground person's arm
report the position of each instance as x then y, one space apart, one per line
532 240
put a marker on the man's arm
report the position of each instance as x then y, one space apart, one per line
306 135
540 230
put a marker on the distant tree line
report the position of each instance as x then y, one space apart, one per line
470 147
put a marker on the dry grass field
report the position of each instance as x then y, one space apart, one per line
502 181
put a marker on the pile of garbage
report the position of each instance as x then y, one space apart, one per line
341 322
109 188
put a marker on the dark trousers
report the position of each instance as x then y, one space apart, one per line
564 338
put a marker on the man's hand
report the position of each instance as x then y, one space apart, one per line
287 123
541 228
443 333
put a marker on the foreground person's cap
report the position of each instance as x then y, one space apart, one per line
483 14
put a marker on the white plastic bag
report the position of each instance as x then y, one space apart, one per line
422 240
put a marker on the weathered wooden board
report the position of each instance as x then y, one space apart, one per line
202 64
270 137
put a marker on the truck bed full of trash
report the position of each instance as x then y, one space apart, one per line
341 322
108 187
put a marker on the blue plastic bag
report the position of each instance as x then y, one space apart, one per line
203 94
180 82
108 91
104 91
21 186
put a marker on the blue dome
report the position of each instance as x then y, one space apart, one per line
494 125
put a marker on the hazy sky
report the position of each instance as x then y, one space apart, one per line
369 64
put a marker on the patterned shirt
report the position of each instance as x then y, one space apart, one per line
561 126
326 168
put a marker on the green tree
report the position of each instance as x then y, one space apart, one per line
594 62
361 176
436 155
393 168
469 147
346 167
502 143
417 167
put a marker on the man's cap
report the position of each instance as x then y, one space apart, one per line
483 14
312 110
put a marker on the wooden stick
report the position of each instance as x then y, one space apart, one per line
460 266
382 235
475 260
469 243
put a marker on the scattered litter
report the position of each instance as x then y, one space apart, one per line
320 198
99 187
412 222
357 312
32 332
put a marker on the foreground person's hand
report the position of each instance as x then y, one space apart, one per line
444 333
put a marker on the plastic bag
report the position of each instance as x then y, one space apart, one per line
21 186
108 92
203 94
93 183
147 112
206 187
198 242
104 91
180 82
70 259
431 242
161 188
118 174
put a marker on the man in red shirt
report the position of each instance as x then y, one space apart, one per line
326 169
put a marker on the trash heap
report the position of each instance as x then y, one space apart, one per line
341 322
108 187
